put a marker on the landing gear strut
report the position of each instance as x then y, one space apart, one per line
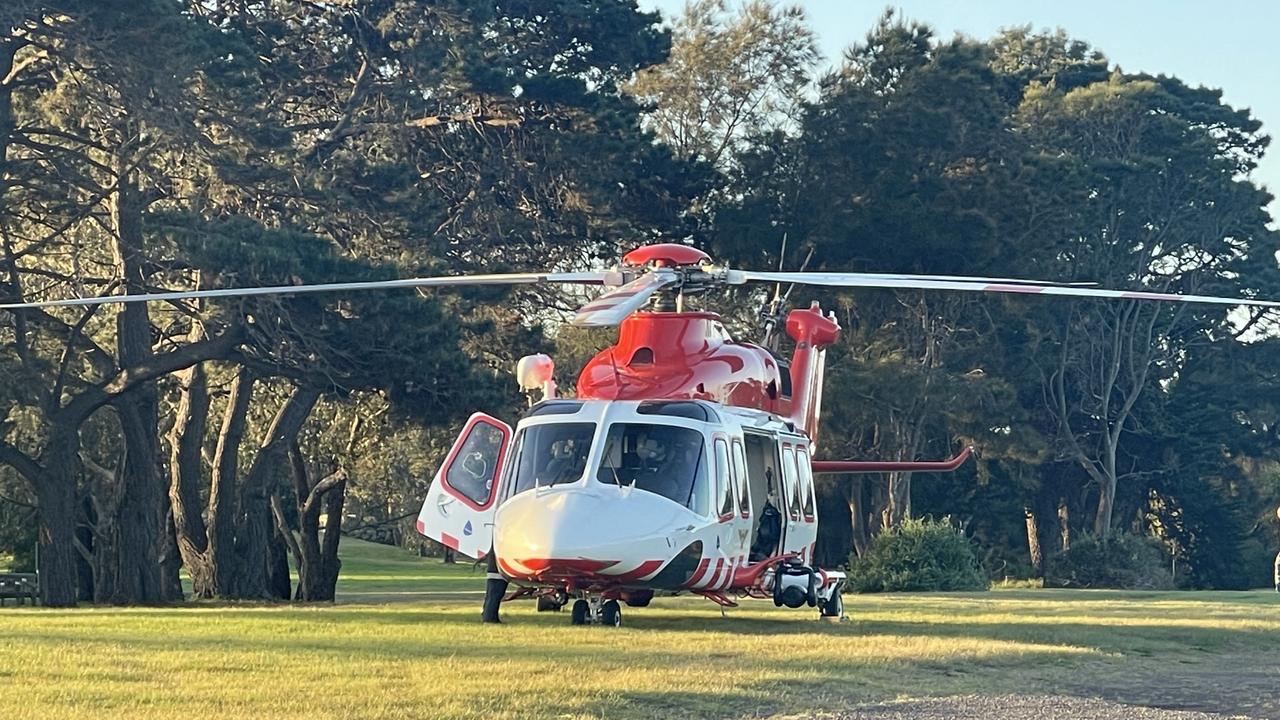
553 602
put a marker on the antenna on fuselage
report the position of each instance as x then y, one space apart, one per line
776 309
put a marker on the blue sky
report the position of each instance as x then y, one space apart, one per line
1232 45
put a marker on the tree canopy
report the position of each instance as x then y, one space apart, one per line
279 142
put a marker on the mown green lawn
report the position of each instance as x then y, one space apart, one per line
680 658
377 573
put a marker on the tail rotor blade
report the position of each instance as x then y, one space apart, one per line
610 309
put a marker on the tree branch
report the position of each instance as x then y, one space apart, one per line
83 405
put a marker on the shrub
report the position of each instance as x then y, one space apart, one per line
1121 561
922 555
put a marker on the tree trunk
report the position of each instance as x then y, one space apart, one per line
56 495
1064 524
186 471
278 580
858 515
170 561
130 529
139 518
255 529
1102 519
331 564
1033 542
223 503
899 508
317 558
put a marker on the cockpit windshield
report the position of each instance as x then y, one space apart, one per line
550 454
663 459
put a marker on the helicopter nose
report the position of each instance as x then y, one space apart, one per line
578 532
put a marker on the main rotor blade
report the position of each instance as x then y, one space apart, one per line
972 278
610 309
918 282
588 278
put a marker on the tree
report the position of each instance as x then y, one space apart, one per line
1157 202
898 168
730 77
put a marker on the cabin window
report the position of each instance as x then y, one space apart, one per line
662 459
740 470
550 454
724 479
790 482
472 471
806 481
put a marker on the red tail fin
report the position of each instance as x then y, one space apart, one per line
813 332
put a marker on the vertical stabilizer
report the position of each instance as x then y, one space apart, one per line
812 332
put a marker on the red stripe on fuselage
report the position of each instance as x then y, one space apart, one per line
449 540
698 573
558 565
648 567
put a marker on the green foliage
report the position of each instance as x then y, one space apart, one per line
920 555
1122 561
729 78
17 529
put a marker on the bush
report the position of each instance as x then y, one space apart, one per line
922 555
1121 561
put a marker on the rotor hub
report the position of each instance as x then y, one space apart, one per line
669 255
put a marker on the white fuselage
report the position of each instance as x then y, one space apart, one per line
661 495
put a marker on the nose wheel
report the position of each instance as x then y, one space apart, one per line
596 610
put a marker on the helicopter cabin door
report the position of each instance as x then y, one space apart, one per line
797 487
459 508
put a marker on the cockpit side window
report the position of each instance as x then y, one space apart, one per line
550 454
662 459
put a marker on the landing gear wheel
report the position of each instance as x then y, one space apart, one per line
834 606
611 614
581 613
549 603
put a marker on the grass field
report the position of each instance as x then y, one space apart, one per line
430 658
377 573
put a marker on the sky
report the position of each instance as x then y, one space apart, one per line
1232 45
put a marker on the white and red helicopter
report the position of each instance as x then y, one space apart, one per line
685 463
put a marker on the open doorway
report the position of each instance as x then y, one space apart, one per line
764 484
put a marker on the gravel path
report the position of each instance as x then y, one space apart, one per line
1010 707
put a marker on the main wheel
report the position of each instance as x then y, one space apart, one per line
611 614
548 603
834 606
581 612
